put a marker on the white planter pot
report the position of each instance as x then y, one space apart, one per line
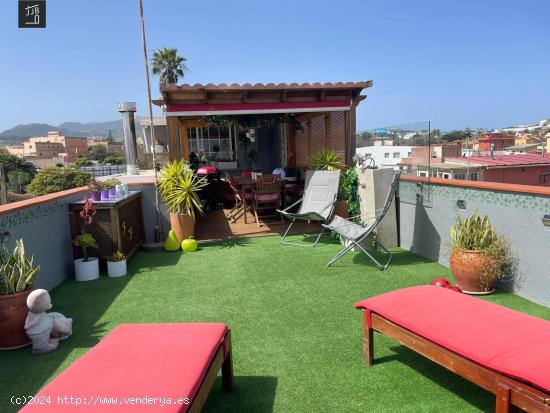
116 268
86 270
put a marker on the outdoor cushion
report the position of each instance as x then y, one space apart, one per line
504 340
267 197
137 361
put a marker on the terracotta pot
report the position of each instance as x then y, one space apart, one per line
467 269
183 225
13 312
341 209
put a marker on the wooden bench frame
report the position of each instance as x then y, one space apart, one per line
222 359
511 394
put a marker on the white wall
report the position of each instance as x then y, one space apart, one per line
378 153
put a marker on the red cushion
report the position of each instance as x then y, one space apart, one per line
138 360
507 341
267 197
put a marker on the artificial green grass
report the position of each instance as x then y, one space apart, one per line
297 340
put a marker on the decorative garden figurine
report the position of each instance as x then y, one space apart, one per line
45 329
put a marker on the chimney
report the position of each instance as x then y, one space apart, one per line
128 125
492 151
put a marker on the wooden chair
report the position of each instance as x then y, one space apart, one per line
267 195
242 206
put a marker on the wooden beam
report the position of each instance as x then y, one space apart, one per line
172 130
244 96
305 117
283 95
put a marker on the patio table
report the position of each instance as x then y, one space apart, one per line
248 184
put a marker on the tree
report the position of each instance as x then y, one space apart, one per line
113 159
168 65
109 137
83 161
97 153
53 179
18 172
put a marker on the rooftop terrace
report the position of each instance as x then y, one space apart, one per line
297 340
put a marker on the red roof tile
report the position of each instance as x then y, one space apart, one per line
504 160
269 86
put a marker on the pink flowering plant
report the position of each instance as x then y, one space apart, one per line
85 240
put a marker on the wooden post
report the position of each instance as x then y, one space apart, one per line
184 139
3 189
172 129
503 402
368 342
328 142
228 381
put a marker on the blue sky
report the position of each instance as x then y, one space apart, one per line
458 64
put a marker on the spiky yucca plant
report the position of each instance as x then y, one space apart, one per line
477 234
17 272
327 160
474 233
178 187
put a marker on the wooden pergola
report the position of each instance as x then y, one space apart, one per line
327 111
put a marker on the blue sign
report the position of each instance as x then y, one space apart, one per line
381 131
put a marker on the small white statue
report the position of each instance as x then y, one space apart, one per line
45 329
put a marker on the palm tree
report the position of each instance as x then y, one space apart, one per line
168 65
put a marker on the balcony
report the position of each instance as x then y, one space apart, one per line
297 340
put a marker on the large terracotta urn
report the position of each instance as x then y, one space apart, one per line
467 269
183 225
13 312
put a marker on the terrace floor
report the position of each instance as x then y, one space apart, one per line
297 340
215 226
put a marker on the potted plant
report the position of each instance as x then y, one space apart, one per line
104 185
116 264
328 160
95 189
479 257
178 187
17 274
110 185
86 268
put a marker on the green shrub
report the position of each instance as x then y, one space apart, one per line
53 179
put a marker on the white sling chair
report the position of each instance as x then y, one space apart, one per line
317 204
357 233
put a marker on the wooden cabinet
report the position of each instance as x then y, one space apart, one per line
117 225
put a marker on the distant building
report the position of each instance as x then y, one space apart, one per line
423 158
524 148
543 124
524 169
111 146
54 145
495 141
388 156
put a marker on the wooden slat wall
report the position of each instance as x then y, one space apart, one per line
317 140
302 146
337 135
321 132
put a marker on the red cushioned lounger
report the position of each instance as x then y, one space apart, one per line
504 351
164 368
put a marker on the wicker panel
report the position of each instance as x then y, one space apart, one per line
130 226
116 226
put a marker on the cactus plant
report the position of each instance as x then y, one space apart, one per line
17 272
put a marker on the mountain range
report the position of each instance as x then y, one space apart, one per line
19 133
